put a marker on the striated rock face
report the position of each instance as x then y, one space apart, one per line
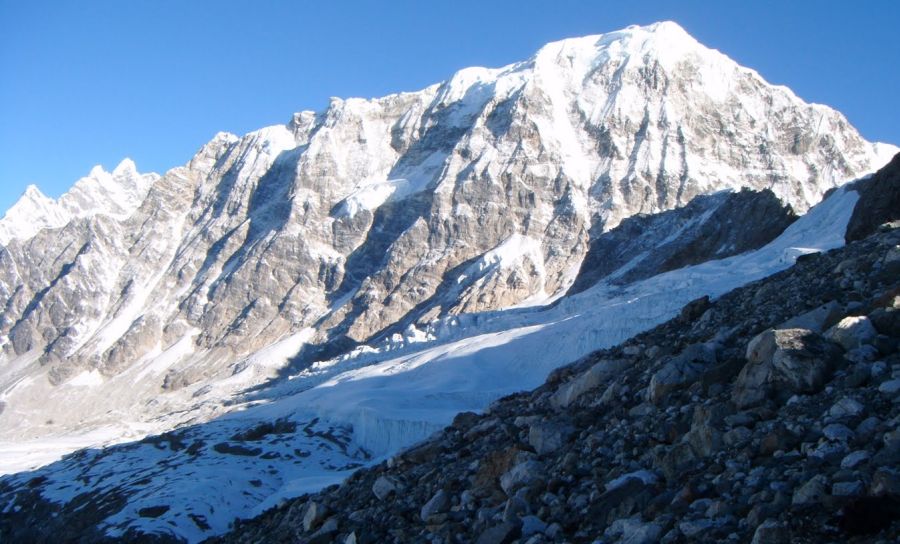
347 225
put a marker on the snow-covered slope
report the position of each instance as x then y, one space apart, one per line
311 429
138 306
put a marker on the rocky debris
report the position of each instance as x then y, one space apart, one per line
765 434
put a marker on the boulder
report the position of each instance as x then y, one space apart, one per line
682 370
783 362
852 332
890 388
886 321
384 487
705 436
438 503
838 433
816 320
532 525
846 407
547 437
521 475
587 380
812 492
855 459
771 532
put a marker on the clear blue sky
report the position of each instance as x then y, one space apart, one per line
90 82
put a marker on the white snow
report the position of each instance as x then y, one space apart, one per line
161 360
86 379
395 402
510 252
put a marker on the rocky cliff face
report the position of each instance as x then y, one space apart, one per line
478 193
709 227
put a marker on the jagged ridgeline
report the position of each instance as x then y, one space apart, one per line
368 271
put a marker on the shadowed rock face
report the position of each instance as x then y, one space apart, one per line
879 201
478 193
709 227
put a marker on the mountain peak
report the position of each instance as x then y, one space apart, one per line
97 172
116 193
32 192
124 168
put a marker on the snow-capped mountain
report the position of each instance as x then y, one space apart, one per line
116 194
401 227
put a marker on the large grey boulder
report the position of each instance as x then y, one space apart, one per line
682 370
852 332
521 475
782 362
384 486
439 503
596 375
816 320
547 437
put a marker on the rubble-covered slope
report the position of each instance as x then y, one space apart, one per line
771 414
